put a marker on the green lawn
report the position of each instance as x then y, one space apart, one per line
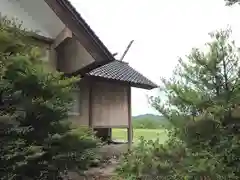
148 134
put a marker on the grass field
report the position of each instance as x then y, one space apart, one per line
148 134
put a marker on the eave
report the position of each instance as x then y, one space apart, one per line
82 31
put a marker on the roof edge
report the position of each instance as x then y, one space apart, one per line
80 20
69 15
136 85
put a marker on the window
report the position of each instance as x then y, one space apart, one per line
76 105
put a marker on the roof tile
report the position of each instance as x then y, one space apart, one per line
121 71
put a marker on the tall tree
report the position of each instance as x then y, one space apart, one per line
207 83
203 103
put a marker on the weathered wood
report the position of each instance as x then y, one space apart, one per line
64 34
109 105
130 129
70 17
103 105
90 111
53 58
83 118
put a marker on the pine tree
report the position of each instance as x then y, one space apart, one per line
37 140
203 104
206 84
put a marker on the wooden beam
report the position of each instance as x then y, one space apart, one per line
130 129
81 30
53 58
64 35
90 111
110 133
41 38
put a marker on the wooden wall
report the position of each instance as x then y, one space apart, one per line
109 105
83 118
109 100
72 56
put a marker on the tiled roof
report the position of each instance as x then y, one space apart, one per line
121 71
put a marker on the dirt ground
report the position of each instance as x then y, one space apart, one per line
111 150
106 170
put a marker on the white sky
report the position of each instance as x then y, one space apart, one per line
163 30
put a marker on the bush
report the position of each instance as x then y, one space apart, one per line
37 141
174 160
151 160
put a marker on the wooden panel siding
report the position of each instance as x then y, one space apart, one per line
83 118
109 105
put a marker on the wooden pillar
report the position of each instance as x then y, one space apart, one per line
110 134
53 58
130 129
65 34
90 111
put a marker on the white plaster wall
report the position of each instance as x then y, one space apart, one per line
35 15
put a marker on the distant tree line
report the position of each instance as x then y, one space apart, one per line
149 122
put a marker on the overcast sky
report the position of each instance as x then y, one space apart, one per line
163 30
